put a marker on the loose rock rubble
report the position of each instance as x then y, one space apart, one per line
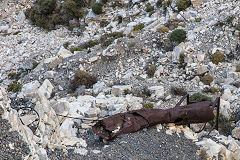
136 64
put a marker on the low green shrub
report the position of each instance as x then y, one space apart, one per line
178 35
108 38
148 105
138 27
14 87
97 8
71 8
75 49
47 13
183 4
198 97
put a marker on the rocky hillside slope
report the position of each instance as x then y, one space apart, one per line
66 64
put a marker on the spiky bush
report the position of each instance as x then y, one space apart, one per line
178 35
47 13
71 8
82 78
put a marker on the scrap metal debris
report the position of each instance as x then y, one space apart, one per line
124 123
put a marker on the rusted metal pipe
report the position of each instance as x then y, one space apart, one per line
123 123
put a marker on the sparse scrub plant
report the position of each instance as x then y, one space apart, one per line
198 97
183 4
178 35
97 8
138 27
82 78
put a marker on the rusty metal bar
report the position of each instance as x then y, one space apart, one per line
123 123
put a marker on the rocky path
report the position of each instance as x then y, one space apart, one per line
147 144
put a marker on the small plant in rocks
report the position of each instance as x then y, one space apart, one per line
14 86
75 49
148 105
207 79
138 27
217 57
127 91
34 64
198 97
183 4
225 124
108 38
149 7
97 8
163 29
151 70
82 78
178 35
230 19
166 4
